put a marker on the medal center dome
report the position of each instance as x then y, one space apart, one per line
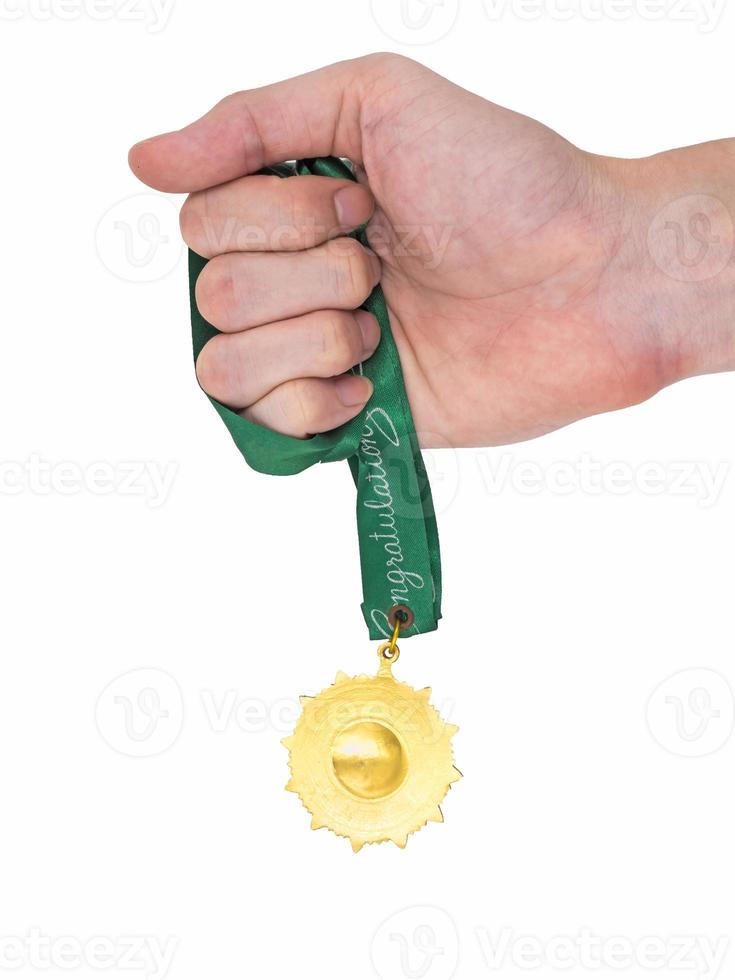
369 760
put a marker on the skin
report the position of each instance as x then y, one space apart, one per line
523 289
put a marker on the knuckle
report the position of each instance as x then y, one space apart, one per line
196 225
223 370
189 221
383 57
215 293
383 69
231 101
212 369
382 60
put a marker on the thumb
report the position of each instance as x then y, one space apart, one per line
317 114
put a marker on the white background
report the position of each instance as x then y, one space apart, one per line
594 798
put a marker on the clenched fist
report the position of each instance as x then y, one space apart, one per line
517 269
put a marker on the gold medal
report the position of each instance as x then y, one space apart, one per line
371 758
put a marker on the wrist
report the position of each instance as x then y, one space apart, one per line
672 276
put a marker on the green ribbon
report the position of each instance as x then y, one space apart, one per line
399 543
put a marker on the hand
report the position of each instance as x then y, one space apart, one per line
521 290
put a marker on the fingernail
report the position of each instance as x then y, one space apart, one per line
353 390
370 330
353 205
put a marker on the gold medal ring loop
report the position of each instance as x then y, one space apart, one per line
398 616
